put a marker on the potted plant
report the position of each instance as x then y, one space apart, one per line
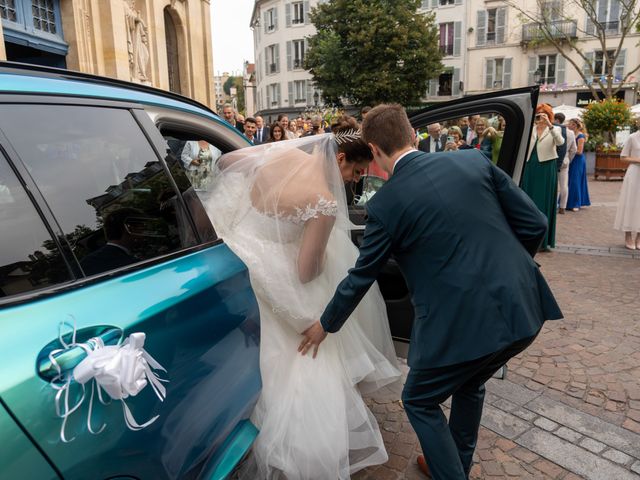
603 119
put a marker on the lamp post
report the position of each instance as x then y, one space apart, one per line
537 76
316 97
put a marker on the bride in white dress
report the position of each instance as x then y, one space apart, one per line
281 208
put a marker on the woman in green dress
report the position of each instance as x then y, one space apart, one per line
540 177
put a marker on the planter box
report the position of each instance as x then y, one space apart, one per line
608 165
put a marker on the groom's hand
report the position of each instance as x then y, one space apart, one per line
313 337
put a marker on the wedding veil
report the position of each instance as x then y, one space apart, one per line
259 201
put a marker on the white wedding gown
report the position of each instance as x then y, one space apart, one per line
313 422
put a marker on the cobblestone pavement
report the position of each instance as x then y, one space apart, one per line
570 406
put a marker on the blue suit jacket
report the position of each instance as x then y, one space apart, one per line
464 236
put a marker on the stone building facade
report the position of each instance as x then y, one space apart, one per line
162 43
280 29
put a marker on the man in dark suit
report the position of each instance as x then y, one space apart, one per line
262 132
435 142
116 252
464 236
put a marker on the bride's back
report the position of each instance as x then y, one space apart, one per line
290 182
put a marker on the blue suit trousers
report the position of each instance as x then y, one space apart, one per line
448 447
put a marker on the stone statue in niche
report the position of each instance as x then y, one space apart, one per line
137 43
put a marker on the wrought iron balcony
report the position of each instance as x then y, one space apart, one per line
559 29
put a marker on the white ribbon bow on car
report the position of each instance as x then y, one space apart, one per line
122 371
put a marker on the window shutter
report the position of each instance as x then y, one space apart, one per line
266 21
585 68
287 14
457 38
458 2
489 66
268 105
618 70
307 20
533 66
291 101
306 49
501 24
506 74
455 88
275 18
433 87
279 93
267 70
289 55
614 15
481 28
277 57
309 94
425 4
602 10
434 3
560 69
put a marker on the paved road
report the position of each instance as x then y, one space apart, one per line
570 406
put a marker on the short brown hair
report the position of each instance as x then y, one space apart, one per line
387 126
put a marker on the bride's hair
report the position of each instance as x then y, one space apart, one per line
349 140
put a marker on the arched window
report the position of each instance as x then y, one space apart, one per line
173 64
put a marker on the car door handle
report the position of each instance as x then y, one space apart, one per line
67 359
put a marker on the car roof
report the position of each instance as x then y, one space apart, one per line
19 78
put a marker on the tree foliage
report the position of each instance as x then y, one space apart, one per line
372 51
551 25
605 117
235 82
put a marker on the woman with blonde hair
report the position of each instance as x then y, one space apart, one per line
540 177
578 188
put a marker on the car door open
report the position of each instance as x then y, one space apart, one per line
498 124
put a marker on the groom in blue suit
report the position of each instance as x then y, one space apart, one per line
464 236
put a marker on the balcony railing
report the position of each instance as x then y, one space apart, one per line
446 49
559 29
272 68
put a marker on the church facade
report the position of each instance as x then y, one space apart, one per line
162 43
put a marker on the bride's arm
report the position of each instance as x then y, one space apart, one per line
312 248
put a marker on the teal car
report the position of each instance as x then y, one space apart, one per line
102 234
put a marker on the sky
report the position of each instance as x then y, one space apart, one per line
232 37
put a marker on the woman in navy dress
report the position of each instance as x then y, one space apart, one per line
578 187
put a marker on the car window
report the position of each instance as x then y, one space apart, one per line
29 258
197 157
102 180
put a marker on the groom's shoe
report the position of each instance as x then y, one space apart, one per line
422 465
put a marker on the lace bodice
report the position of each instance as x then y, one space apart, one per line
288 227
322 207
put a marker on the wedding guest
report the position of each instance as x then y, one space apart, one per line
262 132
628 213
496 140
483 139
578 195
456 135
315 126
283 121
277 133
469 131
540 177
293 128
250 128
229 114
240 122
198 158
435 142
563 170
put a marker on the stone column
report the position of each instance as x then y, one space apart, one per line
3 52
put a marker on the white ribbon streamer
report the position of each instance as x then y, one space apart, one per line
122 371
